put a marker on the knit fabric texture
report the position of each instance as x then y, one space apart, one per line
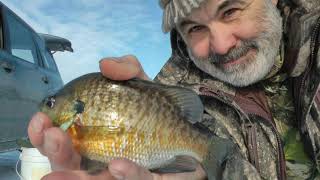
175 10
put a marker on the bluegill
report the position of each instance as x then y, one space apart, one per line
146 122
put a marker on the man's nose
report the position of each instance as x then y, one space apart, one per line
221 39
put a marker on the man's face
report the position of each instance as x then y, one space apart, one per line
235 41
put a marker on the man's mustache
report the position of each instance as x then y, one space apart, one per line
234 53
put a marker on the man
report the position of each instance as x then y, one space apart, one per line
259 89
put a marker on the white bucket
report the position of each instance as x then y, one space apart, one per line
33 164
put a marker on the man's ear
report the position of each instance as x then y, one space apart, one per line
275 2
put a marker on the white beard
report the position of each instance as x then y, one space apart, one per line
256 68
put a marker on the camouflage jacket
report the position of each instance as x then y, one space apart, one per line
242 114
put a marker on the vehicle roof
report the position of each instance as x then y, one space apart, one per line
55 43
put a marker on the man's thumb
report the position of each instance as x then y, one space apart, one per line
123 169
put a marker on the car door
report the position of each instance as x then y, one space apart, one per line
48 67
26 83
8 94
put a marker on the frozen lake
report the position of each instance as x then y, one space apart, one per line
8 162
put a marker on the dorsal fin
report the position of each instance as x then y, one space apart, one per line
187 100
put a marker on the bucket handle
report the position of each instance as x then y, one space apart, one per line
22 178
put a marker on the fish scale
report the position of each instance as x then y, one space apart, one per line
138 120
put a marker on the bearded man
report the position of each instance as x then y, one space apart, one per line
254 64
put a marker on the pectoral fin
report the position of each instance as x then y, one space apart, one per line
179 164
76 119
65 126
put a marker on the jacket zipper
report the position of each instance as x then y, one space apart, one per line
280 153
252 145
207 91
314 45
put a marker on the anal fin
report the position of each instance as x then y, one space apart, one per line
179 164
92 167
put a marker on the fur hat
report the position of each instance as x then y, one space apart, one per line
175 10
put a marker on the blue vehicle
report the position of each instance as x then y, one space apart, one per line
28 74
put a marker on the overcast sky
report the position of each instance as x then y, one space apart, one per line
99 28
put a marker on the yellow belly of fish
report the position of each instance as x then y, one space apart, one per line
149 151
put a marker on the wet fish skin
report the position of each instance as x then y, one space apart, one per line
142 121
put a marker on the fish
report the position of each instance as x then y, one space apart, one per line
149 123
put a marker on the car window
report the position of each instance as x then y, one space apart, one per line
1 33
22 44
49 61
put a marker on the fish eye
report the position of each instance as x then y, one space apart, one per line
50 102
79 106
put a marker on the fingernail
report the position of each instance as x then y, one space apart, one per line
101 61
50 144
38 125
115 59
115 173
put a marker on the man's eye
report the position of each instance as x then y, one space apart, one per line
228 13
195 29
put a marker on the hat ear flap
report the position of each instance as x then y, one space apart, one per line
178 45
